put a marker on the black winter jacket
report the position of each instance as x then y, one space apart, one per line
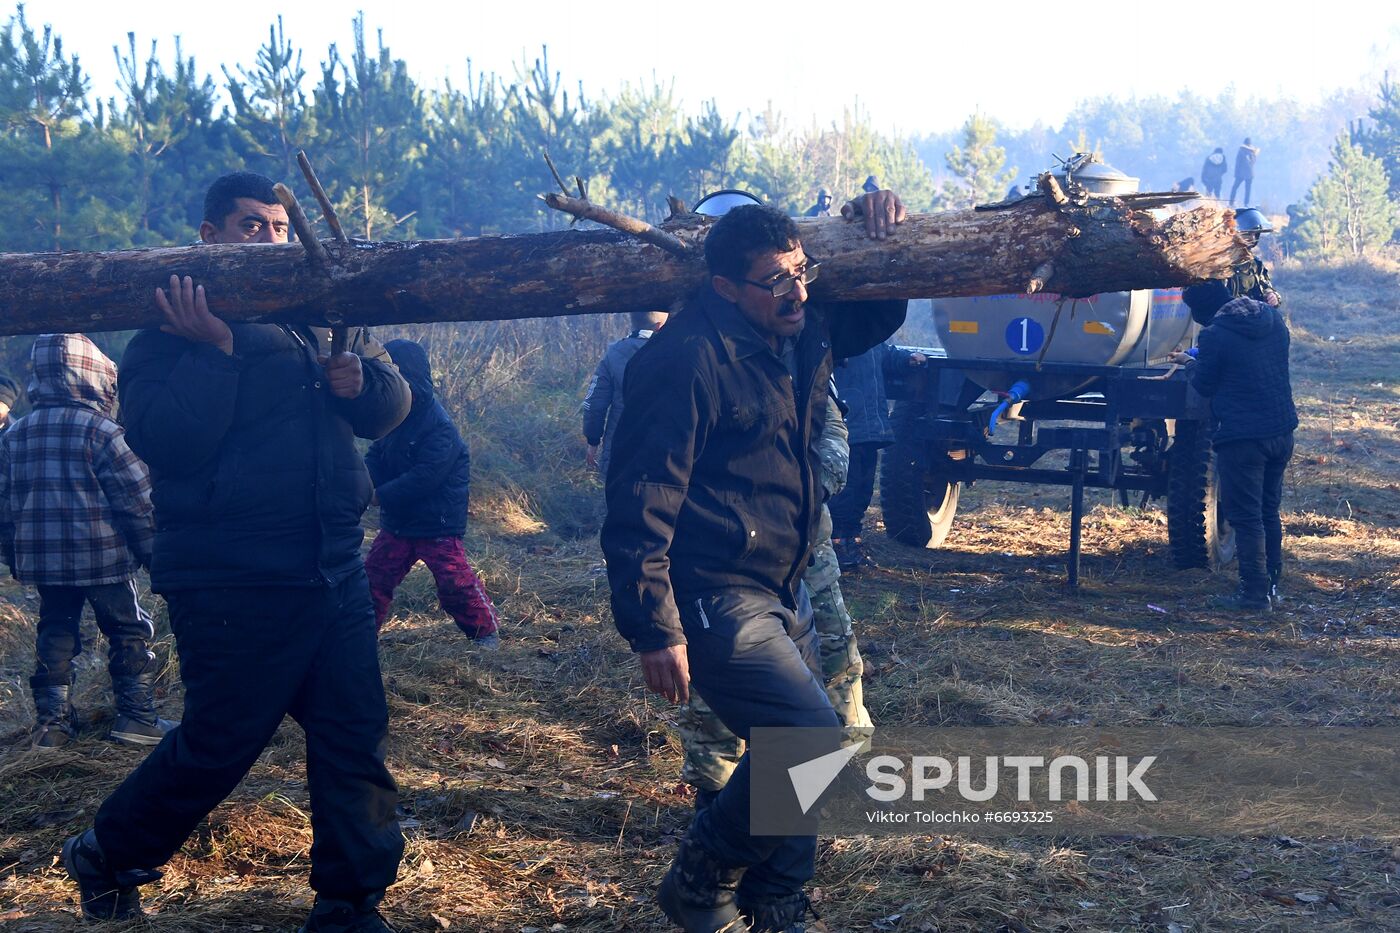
256 479
712 483
421 469
1242 367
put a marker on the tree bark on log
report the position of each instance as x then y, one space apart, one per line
1074 249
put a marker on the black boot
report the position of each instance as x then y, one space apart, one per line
136 722
329 915
1242 603
105 894
53 720
785 915
698 892
703 799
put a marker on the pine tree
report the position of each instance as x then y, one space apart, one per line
470 174
61 171
1382 139
977 167
374 118
1348 212
271 117
175 142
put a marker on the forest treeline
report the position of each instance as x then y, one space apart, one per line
466 158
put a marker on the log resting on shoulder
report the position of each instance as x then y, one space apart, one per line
1075 250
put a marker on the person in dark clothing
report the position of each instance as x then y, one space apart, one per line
1245 157
76 522
422 478
860 383
1241 365
713 507
1213 172
258 489
822 207
602 406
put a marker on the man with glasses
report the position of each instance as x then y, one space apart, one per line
713 505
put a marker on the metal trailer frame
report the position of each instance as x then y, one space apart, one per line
948 417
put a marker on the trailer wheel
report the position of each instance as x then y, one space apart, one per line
1197 532
917 503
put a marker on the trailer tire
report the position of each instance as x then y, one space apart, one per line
918 503
1197 532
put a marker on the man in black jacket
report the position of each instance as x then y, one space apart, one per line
713 504
258 489
1241 365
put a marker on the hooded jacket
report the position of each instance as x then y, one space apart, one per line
75 501
257 481
1242 367
1213 169
602 406
422 468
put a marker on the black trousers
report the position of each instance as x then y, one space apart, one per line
848 507
756 663
1248 188
119 617
1251 491
248 657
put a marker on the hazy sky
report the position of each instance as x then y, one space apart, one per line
916 67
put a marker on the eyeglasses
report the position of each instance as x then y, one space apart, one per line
783 286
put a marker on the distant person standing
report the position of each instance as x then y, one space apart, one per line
1245 158
871 184
1213 172
823 206
602 407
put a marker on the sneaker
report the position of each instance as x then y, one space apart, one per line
1242 603
332 916
490 642
130 731
105 895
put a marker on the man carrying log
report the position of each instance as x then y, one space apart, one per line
713 503
249 433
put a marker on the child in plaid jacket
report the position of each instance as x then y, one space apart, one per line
76 521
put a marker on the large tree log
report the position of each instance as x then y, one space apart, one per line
1104 245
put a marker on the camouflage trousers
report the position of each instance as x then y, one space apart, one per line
712 752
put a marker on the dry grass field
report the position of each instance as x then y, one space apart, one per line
540 782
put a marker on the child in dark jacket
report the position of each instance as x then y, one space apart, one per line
76 522
422 476
1241 365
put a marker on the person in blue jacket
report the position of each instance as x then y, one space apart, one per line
860 384
422 479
